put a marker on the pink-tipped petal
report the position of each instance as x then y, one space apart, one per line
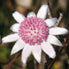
31 14
42 11
51 22
58 31
36 51
53 40
18 46
26 53
48 49
15 27
18 16
10 38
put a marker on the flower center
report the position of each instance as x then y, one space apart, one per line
33 30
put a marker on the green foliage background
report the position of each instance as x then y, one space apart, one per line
6 20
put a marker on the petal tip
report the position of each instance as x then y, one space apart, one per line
18 16
4 40
23 61
15 13
39 61
31 14
61 45
45 5
58 31
42 11
67 31
11 54
53 56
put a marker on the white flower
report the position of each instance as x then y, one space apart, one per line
33 34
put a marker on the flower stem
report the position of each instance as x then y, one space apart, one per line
42 64
13 60
59 19
35 64
64 45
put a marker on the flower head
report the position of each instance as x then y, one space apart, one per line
33 34
33 30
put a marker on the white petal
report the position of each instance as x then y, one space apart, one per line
18 46
58 31
53 40
31 14
42 11
36 51
15 27
10 38
26 53
48 49
18 16
51 22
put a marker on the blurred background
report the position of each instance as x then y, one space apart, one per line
7 7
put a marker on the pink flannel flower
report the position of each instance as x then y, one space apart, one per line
34 34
